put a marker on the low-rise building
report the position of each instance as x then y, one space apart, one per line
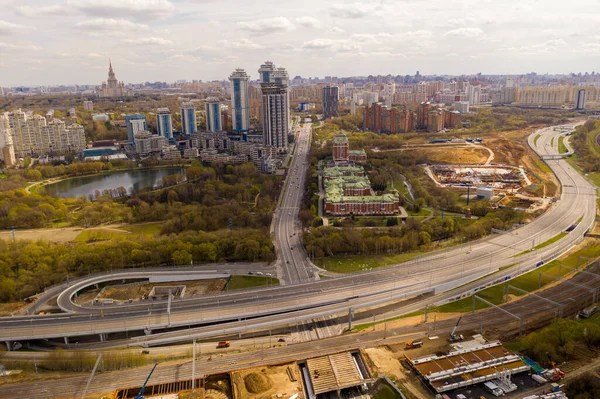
147 143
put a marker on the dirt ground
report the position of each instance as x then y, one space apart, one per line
6 309
280 381
451 155
52 235
511 148
387 362
124 293
415 320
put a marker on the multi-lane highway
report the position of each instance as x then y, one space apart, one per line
280 306
293 261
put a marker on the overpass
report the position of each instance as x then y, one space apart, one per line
435 274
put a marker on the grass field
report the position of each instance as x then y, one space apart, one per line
350 264
243 282
561 145
146 229
386 392
545 243
528 281
94 235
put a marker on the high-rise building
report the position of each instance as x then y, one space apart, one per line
265 72
330 101
275 111
340 147
580 100
213 115
164 123
88 105
112 87
135 123
239 101
188 118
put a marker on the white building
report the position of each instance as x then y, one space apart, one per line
275 116
88 105
240 115
462 107
147 143
474 95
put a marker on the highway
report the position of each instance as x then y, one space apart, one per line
293 261
280 306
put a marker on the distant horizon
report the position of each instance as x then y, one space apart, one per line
292 76
66 42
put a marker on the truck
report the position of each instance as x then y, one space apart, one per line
223 344
539 379
493 388
413 344
588 312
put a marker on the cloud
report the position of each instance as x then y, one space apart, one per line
449 55
333 45
28 11
136 9
103 24
588 48
335 29
240 44
94 55
308 22
7 28
386 54
465 32
418 33
150 41
12 46
352 11
267 25
371 37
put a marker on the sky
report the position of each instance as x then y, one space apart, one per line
51 42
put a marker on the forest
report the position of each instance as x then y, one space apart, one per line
222 213
586 145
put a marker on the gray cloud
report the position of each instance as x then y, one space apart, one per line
7 28
267 25
101 24
136 9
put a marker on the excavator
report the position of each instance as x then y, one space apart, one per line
140 394
453 337
558 374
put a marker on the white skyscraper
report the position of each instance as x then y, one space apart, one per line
266 71
188 118
275 115
213 115
239 101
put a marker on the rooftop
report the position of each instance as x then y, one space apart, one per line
340 138
333 372
468 366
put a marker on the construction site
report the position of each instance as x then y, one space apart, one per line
507 178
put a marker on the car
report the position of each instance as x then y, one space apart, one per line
145 352
250 273
259 273
281 340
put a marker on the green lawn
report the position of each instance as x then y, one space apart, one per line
422 212
94 235
561 145
146 229
386 392
535 139
545 243
527 282
242 282
350 264
552 142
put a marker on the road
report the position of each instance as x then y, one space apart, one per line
295 266
280 306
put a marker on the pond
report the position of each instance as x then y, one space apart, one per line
86 185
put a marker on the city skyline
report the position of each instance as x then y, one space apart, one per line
66 42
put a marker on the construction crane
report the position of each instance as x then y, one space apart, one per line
558 373
455 338
140 394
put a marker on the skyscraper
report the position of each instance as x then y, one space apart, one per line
213 115
239 101
164 123
330 101
135 124
188 118
275 111
580 100
112 87
266 71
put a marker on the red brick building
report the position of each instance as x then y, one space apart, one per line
340 148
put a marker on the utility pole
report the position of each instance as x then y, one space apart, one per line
194 370
169 308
